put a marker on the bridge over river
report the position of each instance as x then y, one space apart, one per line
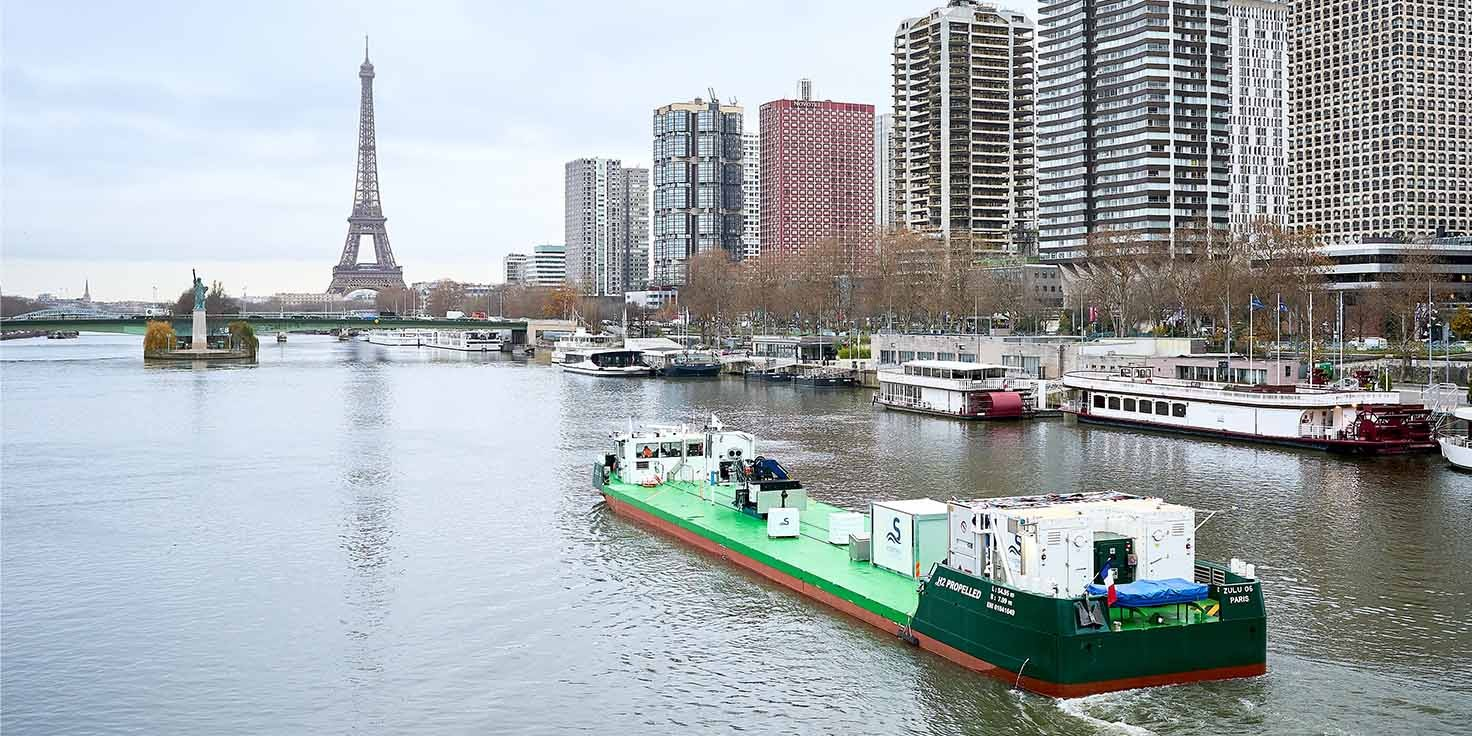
266 323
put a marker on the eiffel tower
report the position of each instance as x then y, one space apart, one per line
367 218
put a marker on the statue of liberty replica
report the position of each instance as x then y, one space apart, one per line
200 331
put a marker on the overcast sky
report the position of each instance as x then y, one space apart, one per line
143 139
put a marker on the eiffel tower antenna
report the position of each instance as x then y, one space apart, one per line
367 217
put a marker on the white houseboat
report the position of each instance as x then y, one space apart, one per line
1326 418
401 338
959 390
469 341
1455 446
583 341
609 362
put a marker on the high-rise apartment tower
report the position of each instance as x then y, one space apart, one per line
963 126
817 177
1134 109
1381 120
698 204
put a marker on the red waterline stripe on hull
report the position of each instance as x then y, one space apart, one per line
1057 690
1080 689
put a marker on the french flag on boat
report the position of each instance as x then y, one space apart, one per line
1106 574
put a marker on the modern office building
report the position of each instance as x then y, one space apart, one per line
884 171
1377 262
1259 165
515 268
1379 114
548 265
817 176
636 225
963 125
605 225
1134 114
751 195
698 205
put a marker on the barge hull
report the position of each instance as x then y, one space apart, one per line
1074 668
1352 447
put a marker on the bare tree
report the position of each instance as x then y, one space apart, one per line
1113 270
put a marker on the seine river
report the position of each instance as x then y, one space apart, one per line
356 539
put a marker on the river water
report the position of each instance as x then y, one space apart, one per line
355 539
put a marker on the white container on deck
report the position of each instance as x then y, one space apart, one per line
783 523
909 536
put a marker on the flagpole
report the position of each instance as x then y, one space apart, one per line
1310 337
1278 341
1229 337
1339 373
1251 299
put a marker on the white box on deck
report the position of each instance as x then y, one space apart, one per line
843 523
783 523
909 537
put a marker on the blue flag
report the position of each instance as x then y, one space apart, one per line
1283 307
1257 303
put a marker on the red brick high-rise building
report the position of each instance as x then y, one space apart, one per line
817 177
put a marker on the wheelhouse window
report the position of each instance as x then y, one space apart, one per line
695 449
1178 410
669 449
1113 402
1098 401
1129 404
647 451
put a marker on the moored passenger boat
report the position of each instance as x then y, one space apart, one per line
827 378
775 374
958 390
691 364
610 362
1340 419
581 341
400 338
470 341
1063 594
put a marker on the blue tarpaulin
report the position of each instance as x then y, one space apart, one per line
1143 593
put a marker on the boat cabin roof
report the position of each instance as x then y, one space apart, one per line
956 369
1073 504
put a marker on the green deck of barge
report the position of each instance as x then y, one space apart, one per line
809 557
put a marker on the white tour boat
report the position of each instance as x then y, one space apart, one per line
1341 419
401 338
470 341
582 340
1456 448
608 362
959 390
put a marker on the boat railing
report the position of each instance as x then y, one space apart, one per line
1175 390
906 401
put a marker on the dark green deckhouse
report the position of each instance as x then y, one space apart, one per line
1062 594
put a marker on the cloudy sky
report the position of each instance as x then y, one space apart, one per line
143 139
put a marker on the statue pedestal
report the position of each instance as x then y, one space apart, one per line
199 333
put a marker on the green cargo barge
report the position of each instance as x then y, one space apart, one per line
1023 602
